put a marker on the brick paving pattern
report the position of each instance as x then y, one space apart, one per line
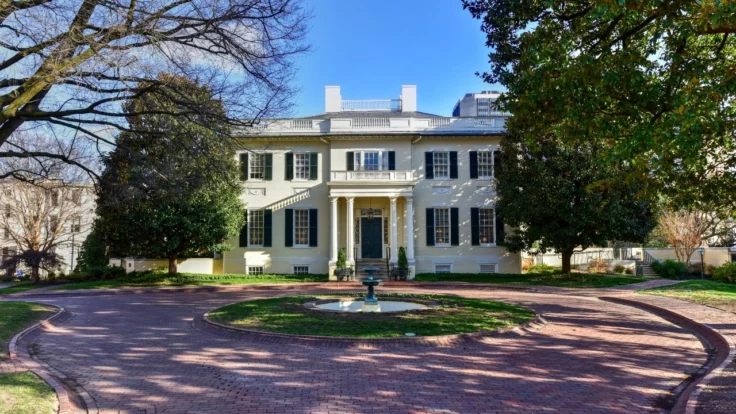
145 354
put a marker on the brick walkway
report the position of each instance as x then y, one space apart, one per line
144 354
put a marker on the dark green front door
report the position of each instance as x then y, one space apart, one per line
370 238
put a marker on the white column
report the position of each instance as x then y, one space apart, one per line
409 230
394 232
333 231
350 233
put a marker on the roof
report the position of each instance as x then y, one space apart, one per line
372 114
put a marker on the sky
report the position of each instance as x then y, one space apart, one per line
371 48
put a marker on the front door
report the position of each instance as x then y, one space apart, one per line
370 238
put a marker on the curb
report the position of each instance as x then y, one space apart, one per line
687 399
536 324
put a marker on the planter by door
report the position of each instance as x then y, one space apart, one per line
371 240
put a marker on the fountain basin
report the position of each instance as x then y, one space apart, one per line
357 305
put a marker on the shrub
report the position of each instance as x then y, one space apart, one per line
93 252
527 263
670 269
403 262
341 260
598 266
574 267
629 271
543 268
725 273
619 269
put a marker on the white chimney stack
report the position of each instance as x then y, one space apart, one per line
408 98
333 99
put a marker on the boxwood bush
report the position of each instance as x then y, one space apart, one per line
725 273
670 269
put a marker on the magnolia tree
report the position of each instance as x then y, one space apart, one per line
686 231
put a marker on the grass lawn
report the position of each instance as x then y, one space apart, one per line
25 393
20 287
189 279
454 316
573 280
705 292
16 316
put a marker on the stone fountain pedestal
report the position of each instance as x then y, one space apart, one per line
370 304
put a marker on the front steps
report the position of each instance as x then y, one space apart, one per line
380 274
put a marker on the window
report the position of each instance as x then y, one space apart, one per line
255 270
6 233
488 268
301 270
257 166
77 197
485 164
371 161
441 226
301 227
255 227
7 210
54 198
443 268
485 106
53 223
76 226
441 161
301 166
486 223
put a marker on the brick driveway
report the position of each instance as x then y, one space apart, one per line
144 354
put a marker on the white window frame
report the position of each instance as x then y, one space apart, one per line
250 272
449 265
359 160
305 167
493 230
293 269
490 153
250 226
436 164
448 225
253 161
294 232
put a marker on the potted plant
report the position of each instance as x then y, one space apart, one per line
342 271
402 268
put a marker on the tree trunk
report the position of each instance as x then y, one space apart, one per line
173 264
566 258
35 274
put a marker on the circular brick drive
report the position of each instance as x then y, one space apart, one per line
147 354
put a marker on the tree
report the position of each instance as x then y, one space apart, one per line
38 218
155 199
71 64
650 81
555 196
93 253
687 230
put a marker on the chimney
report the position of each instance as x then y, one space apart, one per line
408 98
333 99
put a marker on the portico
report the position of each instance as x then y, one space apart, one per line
371 222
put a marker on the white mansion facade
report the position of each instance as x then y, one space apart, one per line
371 176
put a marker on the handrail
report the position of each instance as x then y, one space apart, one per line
388 257
648 258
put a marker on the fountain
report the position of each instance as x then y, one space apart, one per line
370 303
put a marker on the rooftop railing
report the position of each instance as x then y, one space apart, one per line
393 105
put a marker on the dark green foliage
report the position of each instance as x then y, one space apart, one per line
571 280
619 269
174 193
725 273
556 196
650 81
543 268
341 260
93 253
670 269
403 262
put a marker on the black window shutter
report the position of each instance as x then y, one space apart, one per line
267 225
312 227
392 161
289 171
453 164
428 166
243 239
454 227
430 224
289 227
473 164
313 164
500 231
351 160
475 226
268 167
244 166
496 162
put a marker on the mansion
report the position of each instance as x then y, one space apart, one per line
371 176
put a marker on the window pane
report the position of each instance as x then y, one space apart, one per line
442 268
255 270
301 166
485 164
486 225
301 227
441 164
441 226
255 226
370 163
257 166
301 270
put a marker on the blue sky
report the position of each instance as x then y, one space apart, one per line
371 48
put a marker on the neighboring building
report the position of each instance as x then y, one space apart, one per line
478 105
371 176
